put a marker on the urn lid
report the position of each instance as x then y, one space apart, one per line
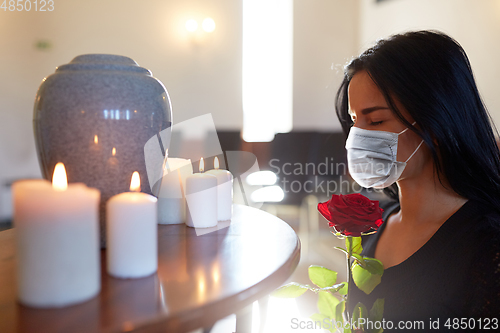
103 62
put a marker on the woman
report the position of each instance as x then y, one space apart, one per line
415 118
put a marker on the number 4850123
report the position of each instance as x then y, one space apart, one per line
27 5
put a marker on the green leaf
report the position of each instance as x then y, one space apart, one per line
356 245
360 311
290 290
348 244
368 277
339 310
327 303
377 313
374 265
341 288
353 243
340 249
321 276
359 258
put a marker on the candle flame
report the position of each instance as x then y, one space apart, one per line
113 152
135 183
59 179
202 165
216 163
96 139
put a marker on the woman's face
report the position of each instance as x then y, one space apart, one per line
369 110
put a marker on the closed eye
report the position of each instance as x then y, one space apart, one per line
375 123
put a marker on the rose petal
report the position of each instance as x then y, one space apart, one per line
352 214
323 209
337 202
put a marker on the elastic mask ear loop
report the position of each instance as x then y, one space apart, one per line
406 128
418 144
414 151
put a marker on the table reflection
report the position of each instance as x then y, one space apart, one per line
191 269
143 300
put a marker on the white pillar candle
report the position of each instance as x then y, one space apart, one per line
171 197
131 234
57 241
201 199
224 192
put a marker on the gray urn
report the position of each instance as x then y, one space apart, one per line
95 115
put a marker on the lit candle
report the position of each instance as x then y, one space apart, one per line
224 191
57 241
95 147
131 234
171 197
201 199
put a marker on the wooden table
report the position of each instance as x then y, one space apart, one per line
200 279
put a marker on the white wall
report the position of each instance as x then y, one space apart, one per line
475 24
325 38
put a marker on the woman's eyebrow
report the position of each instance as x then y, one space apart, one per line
373 108
368 110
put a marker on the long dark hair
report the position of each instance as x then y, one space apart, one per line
429 73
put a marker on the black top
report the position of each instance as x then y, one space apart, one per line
456 274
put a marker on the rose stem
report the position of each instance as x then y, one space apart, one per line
349 277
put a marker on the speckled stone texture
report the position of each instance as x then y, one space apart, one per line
95 115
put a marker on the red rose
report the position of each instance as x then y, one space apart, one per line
352 214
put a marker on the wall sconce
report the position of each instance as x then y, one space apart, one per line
208 25
191 25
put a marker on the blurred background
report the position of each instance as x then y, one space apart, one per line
267 72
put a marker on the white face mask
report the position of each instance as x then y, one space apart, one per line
371 157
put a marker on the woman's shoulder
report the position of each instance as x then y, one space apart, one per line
369 242
474 228
485 221
484 234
